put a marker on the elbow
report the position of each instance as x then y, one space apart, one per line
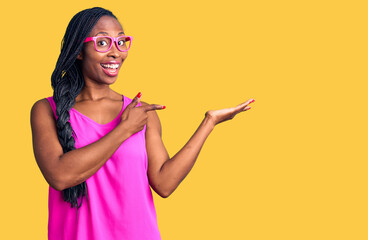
165 195
61 183
58 185
161 191
163 187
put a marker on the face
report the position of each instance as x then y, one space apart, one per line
102 68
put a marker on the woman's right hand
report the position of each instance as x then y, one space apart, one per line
134 118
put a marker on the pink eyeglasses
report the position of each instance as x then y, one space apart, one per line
104 43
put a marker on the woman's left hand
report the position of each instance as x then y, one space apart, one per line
222 115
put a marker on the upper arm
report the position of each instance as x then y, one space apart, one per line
156 151
46 145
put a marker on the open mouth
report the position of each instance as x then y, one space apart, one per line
110 69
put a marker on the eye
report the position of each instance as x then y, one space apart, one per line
121 42
102 43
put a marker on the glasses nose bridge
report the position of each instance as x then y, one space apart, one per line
114 44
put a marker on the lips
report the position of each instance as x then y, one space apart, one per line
110 68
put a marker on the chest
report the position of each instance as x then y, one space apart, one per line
101 112
129 159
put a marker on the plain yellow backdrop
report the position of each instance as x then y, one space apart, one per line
293 167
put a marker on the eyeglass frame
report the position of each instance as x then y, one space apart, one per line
89 39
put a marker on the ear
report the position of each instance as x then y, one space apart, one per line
80 56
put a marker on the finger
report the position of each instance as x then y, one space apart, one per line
244 104
246 108
247 102
135 100
152 107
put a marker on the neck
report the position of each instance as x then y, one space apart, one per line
94 92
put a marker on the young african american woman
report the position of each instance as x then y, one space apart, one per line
94 144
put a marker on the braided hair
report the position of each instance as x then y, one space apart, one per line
67 82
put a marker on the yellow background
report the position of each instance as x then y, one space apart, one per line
293 167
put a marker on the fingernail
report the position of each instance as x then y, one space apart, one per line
139 95
163 107
252 101
249 108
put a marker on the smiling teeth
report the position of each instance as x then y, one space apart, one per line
110 65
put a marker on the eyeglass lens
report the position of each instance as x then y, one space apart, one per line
104 43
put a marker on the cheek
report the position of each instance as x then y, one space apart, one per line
91 55
90 68
124 55
86 65
90 61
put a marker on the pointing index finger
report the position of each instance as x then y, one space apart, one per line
152 107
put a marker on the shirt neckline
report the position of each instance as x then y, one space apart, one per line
105 124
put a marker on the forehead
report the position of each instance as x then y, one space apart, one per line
107 24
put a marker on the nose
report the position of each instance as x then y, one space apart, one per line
114 51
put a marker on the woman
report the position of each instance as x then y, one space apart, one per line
100 151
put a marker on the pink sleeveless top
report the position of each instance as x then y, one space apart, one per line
120 203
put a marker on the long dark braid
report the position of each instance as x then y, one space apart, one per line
67 81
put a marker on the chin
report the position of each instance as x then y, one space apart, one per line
110 81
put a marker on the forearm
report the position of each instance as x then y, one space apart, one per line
76 166
174 170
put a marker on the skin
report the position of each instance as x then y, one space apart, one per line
102 104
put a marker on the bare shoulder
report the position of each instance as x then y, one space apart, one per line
41 108
153 121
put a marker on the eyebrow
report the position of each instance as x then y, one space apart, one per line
105 33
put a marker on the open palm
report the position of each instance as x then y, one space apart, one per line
221 115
